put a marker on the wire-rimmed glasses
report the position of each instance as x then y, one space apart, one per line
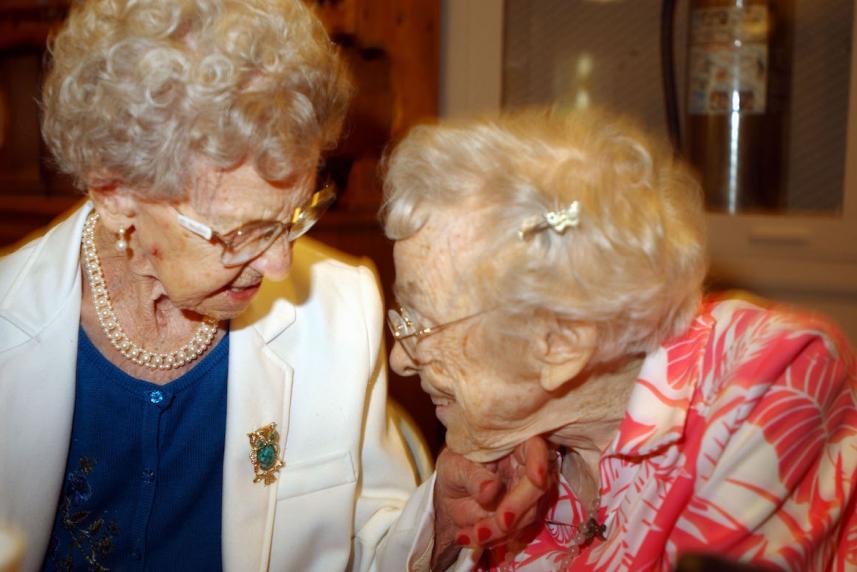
407 331
253 238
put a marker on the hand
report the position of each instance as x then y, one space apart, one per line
482 504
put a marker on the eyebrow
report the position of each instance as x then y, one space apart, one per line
408 289
285 212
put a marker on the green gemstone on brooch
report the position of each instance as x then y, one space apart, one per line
265 453
266 456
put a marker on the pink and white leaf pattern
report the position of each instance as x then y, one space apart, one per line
740 438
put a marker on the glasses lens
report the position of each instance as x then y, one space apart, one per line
398 325
250 241
304 217
403 330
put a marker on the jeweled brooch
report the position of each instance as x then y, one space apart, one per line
265 453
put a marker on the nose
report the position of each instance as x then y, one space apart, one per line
401 362
276 262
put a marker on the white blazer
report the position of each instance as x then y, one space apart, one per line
307 354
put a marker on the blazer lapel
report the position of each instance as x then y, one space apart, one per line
37 411
259 393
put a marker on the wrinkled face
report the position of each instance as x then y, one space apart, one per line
486 407
187 268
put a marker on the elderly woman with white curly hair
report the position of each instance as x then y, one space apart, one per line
549 268
167 400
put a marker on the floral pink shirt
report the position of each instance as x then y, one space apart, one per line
740 439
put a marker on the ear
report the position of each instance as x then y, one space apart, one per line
116 206
564 351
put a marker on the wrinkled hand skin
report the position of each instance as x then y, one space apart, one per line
481 505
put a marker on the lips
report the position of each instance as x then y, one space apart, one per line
438 398
442 409
247 280
242 293
240 287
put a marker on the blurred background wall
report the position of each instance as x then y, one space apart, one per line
803 250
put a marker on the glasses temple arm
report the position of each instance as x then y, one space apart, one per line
195 227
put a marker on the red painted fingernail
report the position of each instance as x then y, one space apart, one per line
483 534
484 485
463 540
509 519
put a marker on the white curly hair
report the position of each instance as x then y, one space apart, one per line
633 266
138 89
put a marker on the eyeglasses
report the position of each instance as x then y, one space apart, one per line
252 239
408 332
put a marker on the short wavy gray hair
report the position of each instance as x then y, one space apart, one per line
137 89
633 266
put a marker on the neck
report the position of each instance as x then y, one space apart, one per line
596 408
151 322
139 300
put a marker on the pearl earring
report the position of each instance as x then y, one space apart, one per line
121 241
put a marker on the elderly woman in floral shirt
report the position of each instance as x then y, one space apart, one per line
549 271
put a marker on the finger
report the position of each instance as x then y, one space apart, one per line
461 478
487 532
536 460
484 487
530 517
466 494
520 500
460 487
465 516
531 458
490 493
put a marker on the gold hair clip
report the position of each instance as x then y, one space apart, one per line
558 220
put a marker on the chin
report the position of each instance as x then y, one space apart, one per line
479 450
222 306
225 313
221 316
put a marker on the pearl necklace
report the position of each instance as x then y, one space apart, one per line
110 325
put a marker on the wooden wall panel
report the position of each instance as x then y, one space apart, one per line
393 49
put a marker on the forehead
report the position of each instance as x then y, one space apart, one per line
241 194
434 267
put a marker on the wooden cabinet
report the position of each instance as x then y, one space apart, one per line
392 47
31 194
